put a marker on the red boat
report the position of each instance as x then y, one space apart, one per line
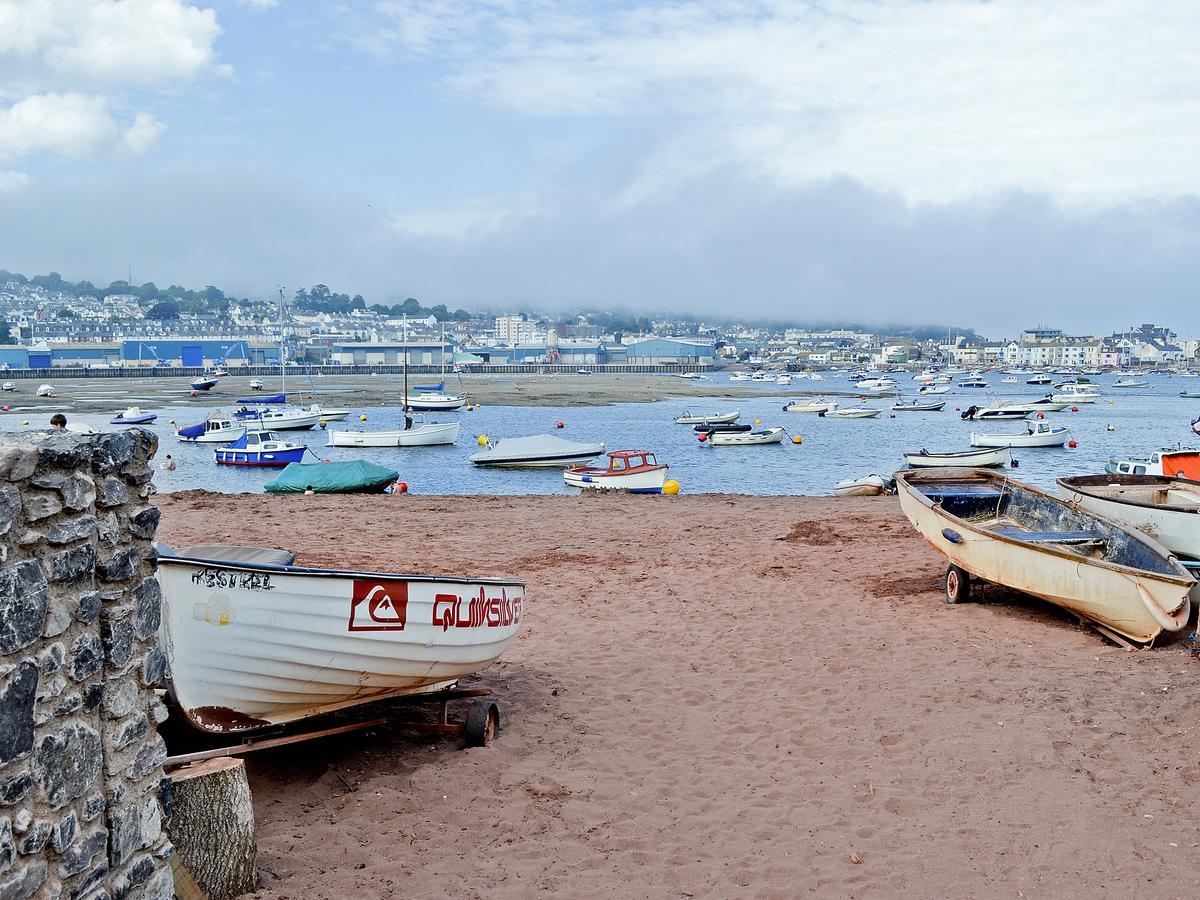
635 471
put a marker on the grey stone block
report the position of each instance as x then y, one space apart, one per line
144 522
71 530
23 599
152 755
72 564
154 668
10 507
112 451
41 506
51 658
147 612
121 566
64 832
8 848
111 491
83 851
16 711
89 607
87 656
35 839
66 763
15 787
24 882
18 463
117 637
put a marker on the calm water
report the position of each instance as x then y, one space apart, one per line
1145 419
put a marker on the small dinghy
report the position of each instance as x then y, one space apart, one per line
732 428
918 406
260 449
635 471
536 451
745 438
852 412
253 640
204 384
1036 434
811 405
1008 533
689 418
351 477
985 458
867 486
133 416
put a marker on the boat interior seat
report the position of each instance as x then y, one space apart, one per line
1050 537
230 553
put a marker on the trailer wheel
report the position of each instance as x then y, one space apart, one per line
958 585
483 723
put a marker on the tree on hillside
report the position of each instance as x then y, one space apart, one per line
166 309
6 335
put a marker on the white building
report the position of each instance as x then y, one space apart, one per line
515 330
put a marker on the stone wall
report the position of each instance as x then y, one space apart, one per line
81 782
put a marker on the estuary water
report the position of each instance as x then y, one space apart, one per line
1141 419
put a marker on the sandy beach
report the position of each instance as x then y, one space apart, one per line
730 696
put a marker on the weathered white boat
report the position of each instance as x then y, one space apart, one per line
984 458
254 640
1036 434
213 430
45 390
919 406
867 486
536 451
1076 393
282 418
690 418
745 438
420 434
434 401
1008 533
811 405
935 389
1172 463
635 471
852 412
1130 383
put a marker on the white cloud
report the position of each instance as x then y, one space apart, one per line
260 4
72 125
12 181
939 99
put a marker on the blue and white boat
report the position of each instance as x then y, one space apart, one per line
204 384
133 416
260 448
216 429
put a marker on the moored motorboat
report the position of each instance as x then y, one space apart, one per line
133 416
1040 379
253 640
634 471
867 486
919 406
282 418
852 412
728 428
416 434
981 458
260 449
45 390
1171 463
1076 393
1036 434
935 389
973 383
215 429
536 451
744 438
434 401
353 476
690 418
810 405
1008 533
1002 409
1130 383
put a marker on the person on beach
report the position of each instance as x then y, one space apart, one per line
308 491
169 464
58 422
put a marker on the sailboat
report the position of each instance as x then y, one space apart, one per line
430 399
413 434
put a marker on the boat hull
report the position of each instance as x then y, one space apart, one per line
984 458
1176 529
418 436
650 481
212 437
746 439
1117 597
719 419
253 646
426 403
265 459
1049 439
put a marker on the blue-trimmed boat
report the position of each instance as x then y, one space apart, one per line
260 448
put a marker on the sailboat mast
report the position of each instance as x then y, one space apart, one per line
405 327
282 361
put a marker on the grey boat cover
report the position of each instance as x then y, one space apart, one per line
230 553
539 447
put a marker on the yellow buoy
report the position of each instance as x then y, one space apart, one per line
362 418
482 442
671 487
796 439
758 421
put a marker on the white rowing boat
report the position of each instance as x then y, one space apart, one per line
419 434
253 640
867 486
1008 533
1036 434
536 451
852 412
983 458
690 418
810 405
919 406
744 438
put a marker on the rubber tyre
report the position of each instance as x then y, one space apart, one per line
958 585
483 723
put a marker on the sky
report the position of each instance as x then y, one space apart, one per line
995 165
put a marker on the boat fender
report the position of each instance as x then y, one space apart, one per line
1170 621
952 536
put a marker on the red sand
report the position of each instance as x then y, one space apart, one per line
719 696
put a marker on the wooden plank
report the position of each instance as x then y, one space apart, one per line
251 745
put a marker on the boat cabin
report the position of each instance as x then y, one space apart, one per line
1174 464
630 460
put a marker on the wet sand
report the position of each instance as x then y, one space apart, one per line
730 696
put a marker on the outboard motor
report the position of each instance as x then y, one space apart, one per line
970 412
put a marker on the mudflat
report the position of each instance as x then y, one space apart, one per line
717 696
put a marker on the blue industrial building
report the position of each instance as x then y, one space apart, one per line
660 351
420 353
198 352
14 357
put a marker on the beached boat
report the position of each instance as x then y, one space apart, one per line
203 384
353 476
133 416
213 430
1008 533
256 384
1166 509
852 412
260 449
919 406
982 458
810 405
739 376
783 379
45 390
418 434
1036 434
745 438
867 486
253 640
8 386
1171 463
635 471
536 451
690 418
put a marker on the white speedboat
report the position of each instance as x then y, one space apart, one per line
1004 532
633 471
1036 434
1040 379
982 458
935 389
1171 463
256 384
867 486
281 418
919 406
1130 383
783 379
213 430
418 434
1011 379
330 413
739 376
852 412
434 401
690 418
973 383
1002 409
811 405
253 640
1076 393
8 386
744 438
536 451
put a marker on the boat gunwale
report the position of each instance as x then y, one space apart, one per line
982 475
1071 483
330 573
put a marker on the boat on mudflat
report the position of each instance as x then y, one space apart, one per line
982 458
353 476
635 471
254 640
1008 533
866 486
204 384
133 416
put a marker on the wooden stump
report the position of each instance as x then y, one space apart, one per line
212 826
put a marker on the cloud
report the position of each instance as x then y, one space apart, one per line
259 4
12 181
71 125
938 100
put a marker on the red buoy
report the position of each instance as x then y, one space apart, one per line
1041 415
403 487
703 437
559 425
1074 409
1072 444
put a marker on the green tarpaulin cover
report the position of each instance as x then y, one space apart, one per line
355 477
